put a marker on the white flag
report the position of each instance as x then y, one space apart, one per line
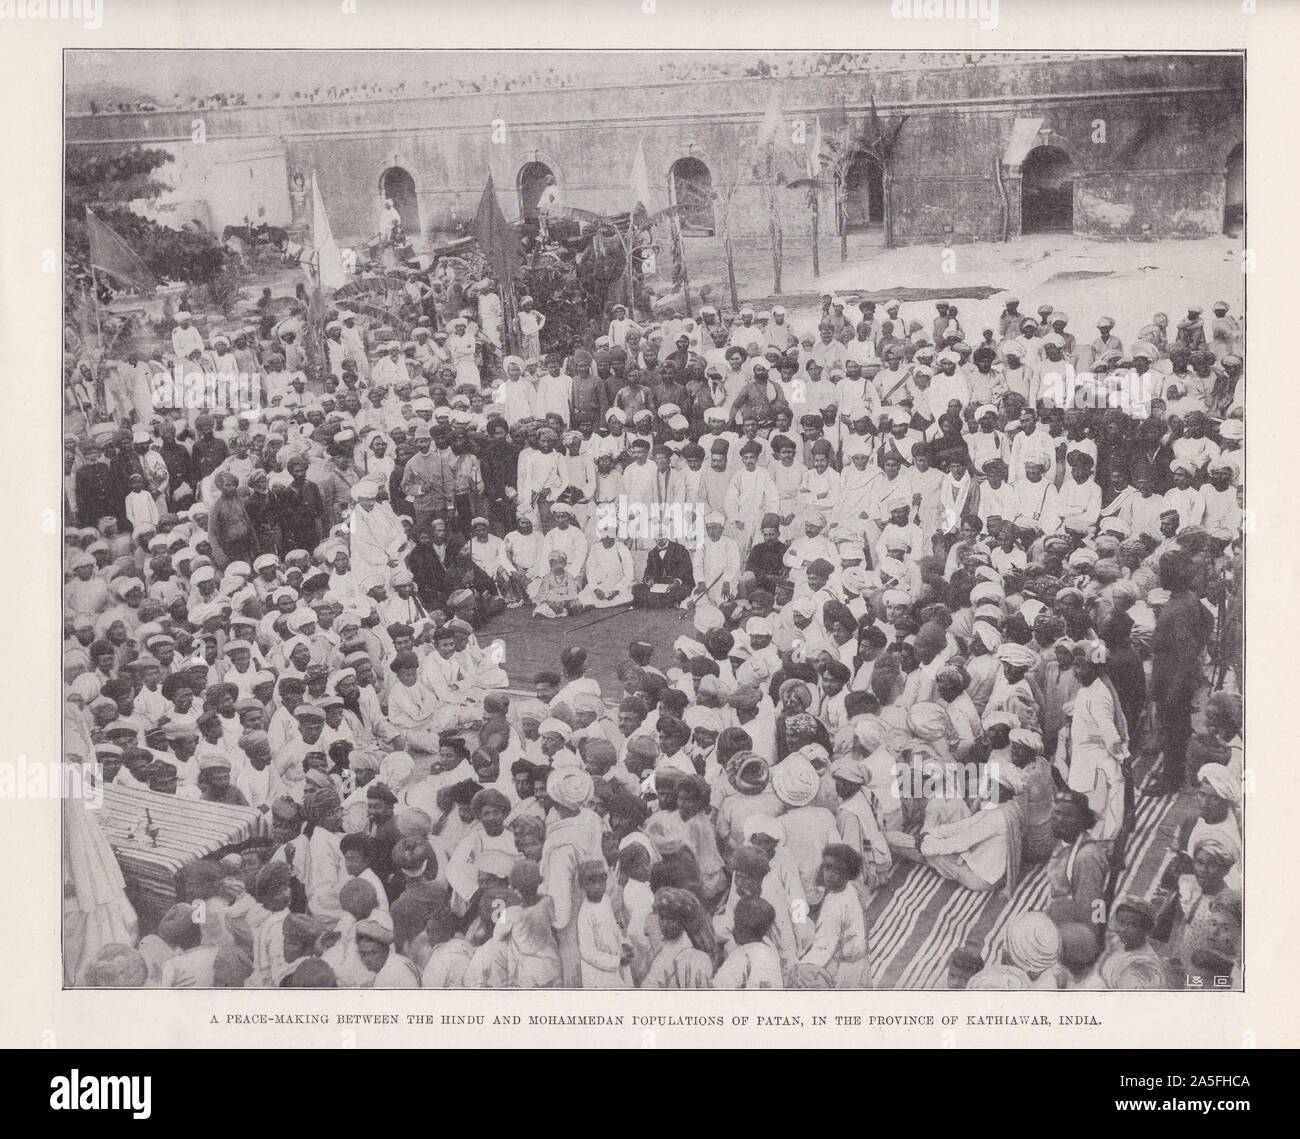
640 180
815 150
329 260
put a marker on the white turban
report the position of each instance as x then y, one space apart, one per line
1017 655
689 647
1220 782
395 770
1027 738
558 727
706 718
856 579
928 721
870 733
795 781
1033 942
570 787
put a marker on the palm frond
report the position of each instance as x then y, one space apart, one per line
579 214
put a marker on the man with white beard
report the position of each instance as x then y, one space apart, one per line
376 534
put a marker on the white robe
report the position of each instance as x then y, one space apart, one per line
608 569
372 533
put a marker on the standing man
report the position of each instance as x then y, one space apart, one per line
750 495
546 203
304 523
1181 633
390 223
428 479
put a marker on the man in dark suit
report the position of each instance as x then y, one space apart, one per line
668 579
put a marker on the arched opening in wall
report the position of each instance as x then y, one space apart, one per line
1047 191
532 181
691 187
1234 191
863 193
398 185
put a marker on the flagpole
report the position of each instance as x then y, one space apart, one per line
94 293
681 253
631 280
100 399
94 296
318 316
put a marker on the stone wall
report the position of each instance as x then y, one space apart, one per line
1169 123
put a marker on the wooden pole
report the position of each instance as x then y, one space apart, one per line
731 263
774 228
841 214
509 313
94 293
816 218
680 238
886 182
100 398
628 246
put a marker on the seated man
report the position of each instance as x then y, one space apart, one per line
668 579
455 688
973 851
523 546
492 559
766 560
557 592
608 570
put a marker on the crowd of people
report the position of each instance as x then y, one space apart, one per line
678 69
957 597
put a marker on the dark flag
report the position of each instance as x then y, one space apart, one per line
110 254
496 237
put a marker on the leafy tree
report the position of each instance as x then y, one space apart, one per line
829 165
107 180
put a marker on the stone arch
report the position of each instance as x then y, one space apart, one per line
1047 191
530 180
396 183
862 191
690 186
1049 137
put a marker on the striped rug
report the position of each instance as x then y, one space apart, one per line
918 923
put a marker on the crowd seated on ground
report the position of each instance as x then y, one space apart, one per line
911 551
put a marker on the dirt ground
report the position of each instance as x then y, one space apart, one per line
532 644
1084 277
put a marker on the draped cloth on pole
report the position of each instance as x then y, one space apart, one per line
110 254
329 262
496 237
638 219
499 242
815 150
640 186
771 125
